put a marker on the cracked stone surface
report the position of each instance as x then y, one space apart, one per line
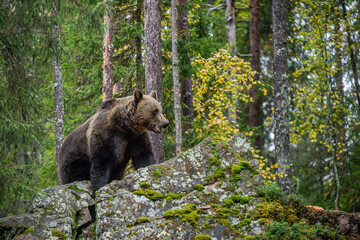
120 207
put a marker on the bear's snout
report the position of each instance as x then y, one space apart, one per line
165 124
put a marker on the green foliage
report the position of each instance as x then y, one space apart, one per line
299 231
270 191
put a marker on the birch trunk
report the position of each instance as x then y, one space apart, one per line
153 65
108 50
255 116
281 98
175 68
231 41
58 85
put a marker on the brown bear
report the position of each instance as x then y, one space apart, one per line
99 150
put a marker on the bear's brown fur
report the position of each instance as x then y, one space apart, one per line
100 149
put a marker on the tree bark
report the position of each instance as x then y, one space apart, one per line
255 116
58 84
185 75
231 41
153 65
108 50
352 55
281 98
139 73
175 68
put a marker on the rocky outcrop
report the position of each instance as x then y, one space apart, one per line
207 192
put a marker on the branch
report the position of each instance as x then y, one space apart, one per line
215 8
244 55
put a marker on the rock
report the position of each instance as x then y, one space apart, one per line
209 191
170 188
50 213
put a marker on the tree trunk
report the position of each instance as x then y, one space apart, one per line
231 41
352 55
153 65
255 116
175 69
58 85
185 75
281 98
108 50
139 72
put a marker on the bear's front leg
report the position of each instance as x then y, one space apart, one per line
141 152
105 156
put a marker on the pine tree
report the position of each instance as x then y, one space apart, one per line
108 50
153 65
255 114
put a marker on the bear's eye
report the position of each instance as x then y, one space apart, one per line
155 112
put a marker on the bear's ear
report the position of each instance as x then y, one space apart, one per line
153 94
137 96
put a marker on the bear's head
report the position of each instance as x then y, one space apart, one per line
148 113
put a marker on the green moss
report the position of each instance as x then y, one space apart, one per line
145 185
142 220
206 226
214 161
272 210
191 218
199 187
254 172
228 202
224 222
188 213
248 238
219 174
29 230
256 216
171 196
242 165
150 194
239 199
202 237
157 174
73 187
243 223
58 234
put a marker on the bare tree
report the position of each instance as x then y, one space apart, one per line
58 84
281 98
185 77
153 65
108 50
255 116
175 68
